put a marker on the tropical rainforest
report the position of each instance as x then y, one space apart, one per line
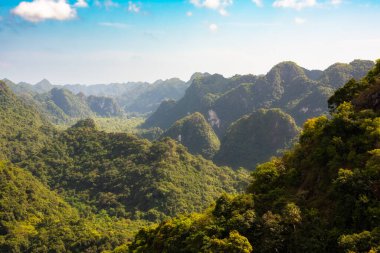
283 162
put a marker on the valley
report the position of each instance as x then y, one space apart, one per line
286 161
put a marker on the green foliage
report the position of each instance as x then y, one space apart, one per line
322 196
35 219
297 91
196 134
72 105
113 183
23 131
362 242
351 90
104 106
346 93
338 74
256 137
128 176
152 95
159 118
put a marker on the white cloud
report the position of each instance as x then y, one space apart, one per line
189 14
299 21
109 4
218 5
213 27
40 10
132 7
336 2
114 25
259 3
295 4
81 4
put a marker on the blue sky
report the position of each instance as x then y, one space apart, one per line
103 41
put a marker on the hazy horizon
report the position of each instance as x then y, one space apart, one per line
164 79
116 41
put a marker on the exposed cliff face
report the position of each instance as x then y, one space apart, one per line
297 91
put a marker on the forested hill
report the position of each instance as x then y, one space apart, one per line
321 196
195 133
256 137
133 97
23 131
109 184
117 172
297 91
131 177
35 219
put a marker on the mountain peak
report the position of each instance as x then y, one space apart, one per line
194 132
198 75
44 82
4 87
285 71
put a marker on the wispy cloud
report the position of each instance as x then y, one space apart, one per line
252 24
294 4
336 2
110 4
302 4
132 7
115 25
40 10
189 14
218 5
81 4
259 3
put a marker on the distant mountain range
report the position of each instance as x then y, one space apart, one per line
90 187
255 117
80 189
323 195
132 97
300 92
209 111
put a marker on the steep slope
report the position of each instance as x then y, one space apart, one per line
104 106
256 137
23 131
200 95
196 134
138 97
60 105
131 177
35 219
338 74
42 86
72 105
323 196
149 100
297 91
161 115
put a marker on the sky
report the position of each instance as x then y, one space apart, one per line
104 41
